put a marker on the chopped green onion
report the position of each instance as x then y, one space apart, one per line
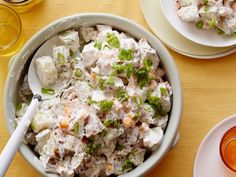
129 69
90 101
19 106
119 147
102 134
234 34
101 83
199 24
98 45
48 91
142 77
212 23
118 68
105 105
122 95
205 2
125 54
78 72
155 102
110 80
76 127
220 31
164 91
127 165
61 58
72 54
112 123
206 8
147 63
137 116
113 40
106 46
91 148
138 100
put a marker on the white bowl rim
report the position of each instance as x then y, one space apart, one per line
177 96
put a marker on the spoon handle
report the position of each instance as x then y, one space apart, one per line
17 137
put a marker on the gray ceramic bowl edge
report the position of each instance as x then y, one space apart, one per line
12 81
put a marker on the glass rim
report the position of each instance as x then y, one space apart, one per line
222 147
20 23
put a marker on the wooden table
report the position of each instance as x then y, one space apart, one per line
209 86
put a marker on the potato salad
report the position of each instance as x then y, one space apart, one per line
207 14
112 107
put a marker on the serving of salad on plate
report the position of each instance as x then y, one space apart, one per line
209 14
112 108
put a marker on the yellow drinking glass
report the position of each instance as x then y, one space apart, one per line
10 31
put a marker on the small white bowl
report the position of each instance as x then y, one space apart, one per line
188 29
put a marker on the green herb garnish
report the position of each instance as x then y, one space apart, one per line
128 69
199 24
138 100
127 165
98 45
76 127
72 54
234 34
112 123
205 2
119 147
101 83
137 116
61 58
19 106
105 105
102 134
78 72
147 64
164 91
142 77
92 148
48 91
220 31
106 46
122 95
110 80
113 40
125 54
206 8
155 103
212 23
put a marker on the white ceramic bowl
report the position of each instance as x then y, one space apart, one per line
189 30
20 64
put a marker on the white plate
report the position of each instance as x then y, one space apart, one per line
189 30
167 34
208 162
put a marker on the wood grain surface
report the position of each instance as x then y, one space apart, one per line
209 86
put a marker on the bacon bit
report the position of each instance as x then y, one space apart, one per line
84 139
64 124
86 120
56 152
93 76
